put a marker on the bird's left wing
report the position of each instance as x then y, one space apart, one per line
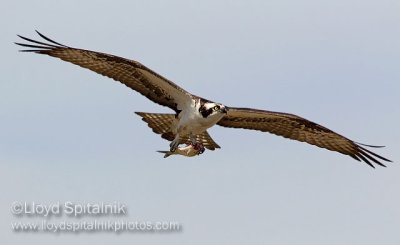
129 72
297 128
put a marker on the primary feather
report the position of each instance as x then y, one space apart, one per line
198 111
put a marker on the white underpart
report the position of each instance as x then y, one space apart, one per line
191 122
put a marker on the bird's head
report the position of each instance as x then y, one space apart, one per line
211 109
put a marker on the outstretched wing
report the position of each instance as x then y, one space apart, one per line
129 72
161 123
297 128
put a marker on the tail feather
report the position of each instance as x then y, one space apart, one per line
161 123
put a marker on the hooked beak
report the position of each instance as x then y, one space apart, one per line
224 109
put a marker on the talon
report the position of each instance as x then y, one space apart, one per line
173 146
202 150
199 147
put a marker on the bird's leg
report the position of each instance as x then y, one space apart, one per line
196 145
199 147
175 143
192 139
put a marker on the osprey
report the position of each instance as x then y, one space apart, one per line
193 114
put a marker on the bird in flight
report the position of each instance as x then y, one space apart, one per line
193 114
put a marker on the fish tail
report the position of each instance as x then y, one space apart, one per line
167 153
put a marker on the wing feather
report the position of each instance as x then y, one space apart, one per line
129 72
297 128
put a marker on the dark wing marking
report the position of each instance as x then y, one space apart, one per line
297 128
129 72
161 124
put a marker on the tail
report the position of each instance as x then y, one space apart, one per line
162 123
167 153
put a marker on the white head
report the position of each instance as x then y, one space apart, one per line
212 110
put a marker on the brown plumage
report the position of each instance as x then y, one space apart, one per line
297 128
164 92
129 72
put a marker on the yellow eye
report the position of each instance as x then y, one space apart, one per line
216 107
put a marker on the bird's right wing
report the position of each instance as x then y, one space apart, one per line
129 72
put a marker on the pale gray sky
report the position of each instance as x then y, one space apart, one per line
68 134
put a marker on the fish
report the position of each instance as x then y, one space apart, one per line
189 150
